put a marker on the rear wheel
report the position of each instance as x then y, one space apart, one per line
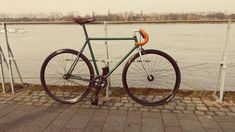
157 87
58 84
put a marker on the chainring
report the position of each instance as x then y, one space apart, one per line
100 82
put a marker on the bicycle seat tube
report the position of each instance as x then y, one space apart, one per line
77 58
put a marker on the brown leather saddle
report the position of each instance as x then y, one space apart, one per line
82 21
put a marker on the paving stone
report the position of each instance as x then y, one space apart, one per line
26 99
201 108
152 122
133 109
29 103
138 105
230 114
154 110
115 121
94 106
34 100
197 101
179 108
177 111
200 112
170 107
144 109
170 119
232 109
128 104
181 104
3 102
191 104
38 103
8 99
187 98
222 118
43 101
80 119
220 113
210 113
123 108
172 103
173 129
132 101
85 106
113 107
124 98
104 107
47 104
201 105
224 109
191 108
188 112
119 104
227 126
166 111
124 101
159 107
17 99
20 103
35 97
187 101
108 103
11 102
190 123
213 109
208 122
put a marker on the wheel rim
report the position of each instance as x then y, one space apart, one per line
61 86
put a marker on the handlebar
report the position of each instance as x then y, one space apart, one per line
145 36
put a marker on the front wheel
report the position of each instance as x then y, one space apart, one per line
64 87
153 81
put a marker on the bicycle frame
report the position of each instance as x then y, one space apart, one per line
88 43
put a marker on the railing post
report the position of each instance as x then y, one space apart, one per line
2 73
10 60
223 66
108 88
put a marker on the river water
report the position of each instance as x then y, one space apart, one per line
197 48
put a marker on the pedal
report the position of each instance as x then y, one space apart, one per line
94 101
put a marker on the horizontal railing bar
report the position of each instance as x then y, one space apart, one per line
126 22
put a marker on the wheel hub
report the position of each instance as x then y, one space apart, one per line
66 76
150 78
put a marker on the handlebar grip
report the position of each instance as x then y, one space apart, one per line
145 37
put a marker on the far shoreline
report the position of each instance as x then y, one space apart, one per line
128 22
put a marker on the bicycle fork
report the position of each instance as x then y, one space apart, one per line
142 61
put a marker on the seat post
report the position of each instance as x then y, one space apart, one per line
85 31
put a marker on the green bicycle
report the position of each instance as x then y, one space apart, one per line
150 77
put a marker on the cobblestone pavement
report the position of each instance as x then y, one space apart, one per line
35 111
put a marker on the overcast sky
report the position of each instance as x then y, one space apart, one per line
102 6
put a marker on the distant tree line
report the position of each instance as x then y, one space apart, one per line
125 16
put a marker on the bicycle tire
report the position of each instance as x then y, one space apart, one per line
66 90
134 78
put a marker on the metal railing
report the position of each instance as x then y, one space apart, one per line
220 84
